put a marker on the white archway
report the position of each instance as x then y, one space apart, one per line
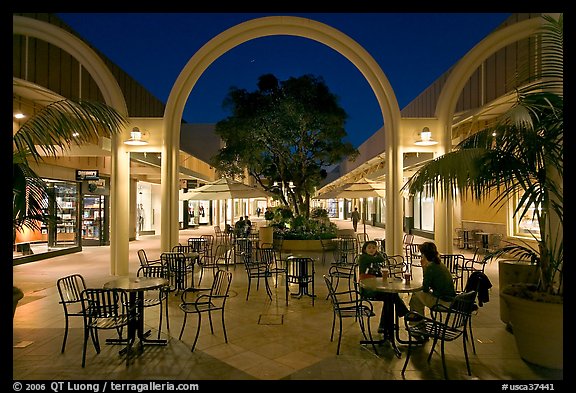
450 94
269 26
120 175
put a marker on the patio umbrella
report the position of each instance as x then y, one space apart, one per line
363 188
223 189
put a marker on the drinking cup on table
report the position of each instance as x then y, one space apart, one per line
407 276
385 274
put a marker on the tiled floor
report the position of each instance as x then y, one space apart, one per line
267 340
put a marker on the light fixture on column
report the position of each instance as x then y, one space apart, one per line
136 138
425 138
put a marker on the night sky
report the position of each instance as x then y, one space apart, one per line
413 50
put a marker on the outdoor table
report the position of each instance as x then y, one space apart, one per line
135 286
391 286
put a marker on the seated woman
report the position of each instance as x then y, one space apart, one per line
437 283
370 264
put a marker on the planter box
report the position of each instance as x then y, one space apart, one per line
538 330
512 272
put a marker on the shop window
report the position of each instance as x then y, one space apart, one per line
423 213
528 225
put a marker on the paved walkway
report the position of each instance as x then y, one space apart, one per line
267 340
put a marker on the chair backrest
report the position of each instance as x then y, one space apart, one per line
244 245
208 244
408 239
413 255
153 271
185 248
196 244
396 264
454 263
143 258
298 268
460 310
174 261
70 288
337 300
220 287
110 303
345 250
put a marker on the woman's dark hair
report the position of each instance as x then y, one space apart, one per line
366 245
429 250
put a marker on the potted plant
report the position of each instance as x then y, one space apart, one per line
521 156
52 129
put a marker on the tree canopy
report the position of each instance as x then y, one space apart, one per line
283 134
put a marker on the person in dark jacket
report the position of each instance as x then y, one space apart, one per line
370 264
437 283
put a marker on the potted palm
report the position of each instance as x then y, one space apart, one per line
521 156
52 129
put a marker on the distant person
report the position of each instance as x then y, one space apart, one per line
258 211
355 218
437 283
247 226
239 227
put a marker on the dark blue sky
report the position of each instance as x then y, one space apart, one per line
413 50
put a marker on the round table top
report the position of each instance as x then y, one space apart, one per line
136 283
392 284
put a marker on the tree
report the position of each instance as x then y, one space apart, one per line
284 134
53 129
520 156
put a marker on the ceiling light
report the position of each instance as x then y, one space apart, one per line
19 115
425 138
136 138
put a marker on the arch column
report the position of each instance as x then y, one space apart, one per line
300 27
450 94
108 86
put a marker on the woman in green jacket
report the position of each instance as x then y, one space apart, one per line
437 283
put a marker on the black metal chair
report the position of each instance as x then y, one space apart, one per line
413 255
206 300
456 264
178 270
220 257
396 265
144 261
453 325
70 290
300 271
349 304
156 297
276 267
106 308
256 270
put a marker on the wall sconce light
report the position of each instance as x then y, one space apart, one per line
19 115
425 138
136 138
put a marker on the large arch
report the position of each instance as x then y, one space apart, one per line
450 94
269 26
104 79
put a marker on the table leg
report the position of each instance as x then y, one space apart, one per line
389 327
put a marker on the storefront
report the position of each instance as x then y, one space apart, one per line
56 237
95 212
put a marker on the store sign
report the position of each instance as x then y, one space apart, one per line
87 174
